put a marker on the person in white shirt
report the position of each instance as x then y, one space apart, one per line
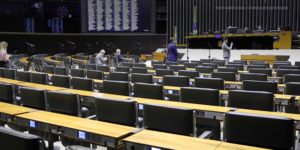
100 59
226 50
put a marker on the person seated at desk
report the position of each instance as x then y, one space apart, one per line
172 50
117 54
279 28
100 59
245 29
227 31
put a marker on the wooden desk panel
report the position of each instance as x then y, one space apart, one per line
25 60
159 56
13 109
9 81
267 58
50 58
294 116
40 86
172 141
94 94
231 146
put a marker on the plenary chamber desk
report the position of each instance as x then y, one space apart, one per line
243 41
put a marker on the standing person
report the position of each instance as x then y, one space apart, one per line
4 57
172 50
100 59
226 50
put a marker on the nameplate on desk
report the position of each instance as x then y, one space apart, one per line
191 83
281 89
82 135
205 76
154 148
172 92
157 80
141 107
273 79
233 86
32 124
223 96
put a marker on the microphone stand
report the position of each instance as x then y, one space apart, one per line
187 50
165 51
89 47
209 46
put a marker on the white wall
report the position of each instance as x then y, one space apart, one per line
196 54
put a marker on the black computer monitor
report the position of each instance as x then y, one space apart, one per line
151 91
291 78
282 72
117 111
143 78
11 74
33 98
64 103
16 140
176 68
232 30
162 72
156 62
94 74
24 76
61 81
213 83
253 76
215 66
240 67
7 93
243 61
191 74
182 61
122 69
103 68
265 64
228 69
191 65
260 86
206 60
119 76
91 67
61 70
256 100
117 87
219 63
124 64
49 69
2 72
256 67
78 73
200 96
297 63
39 78
276 65
258 129
292 88
251 62
205 69
159 66
159 118
200 62
139 70
268 72
139 65
181 81
83 84
227 76
169 63
289 67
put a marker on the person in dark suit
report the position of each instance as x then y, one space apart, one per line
117 54
172 50
226 50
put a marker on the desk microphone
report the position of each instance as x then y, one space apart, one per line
61 44
70 42
88 44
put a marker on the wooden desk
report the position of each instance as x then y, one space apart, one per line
267 58
40 86
94 94
159 56
231 146
171 141
51 59
9 81
24 60
9 110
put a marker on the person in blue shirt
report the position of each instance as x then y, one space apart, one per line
172 50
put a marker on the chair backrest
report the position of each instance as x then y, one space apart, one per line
235 62
256 66
206 60
143 78
265 64
64 103
244 61
61 81
49 69
260 86
292 88
11 74
287 62
276 65
151 91
190 65
83 84
297 63
162 72
238 66
191 74
205 69
200 96
123 69
251 62
220 63
157 117
103 68
169 63
215 66
119 76
227 76
176 68
125 64
181 81
282 72
256 100
268 72
7 93
33 98
182 61
24 76
139 65
253 76
78 73
94 74
156 62
117 87
91 67
228 69
258 129
39 78
67 62
93 60
200 62
2 72
212 83
139 70
289 67
61 70
117 111
159 66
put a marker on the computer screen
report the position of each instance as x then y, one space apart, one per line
118 15
32 124
81 135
